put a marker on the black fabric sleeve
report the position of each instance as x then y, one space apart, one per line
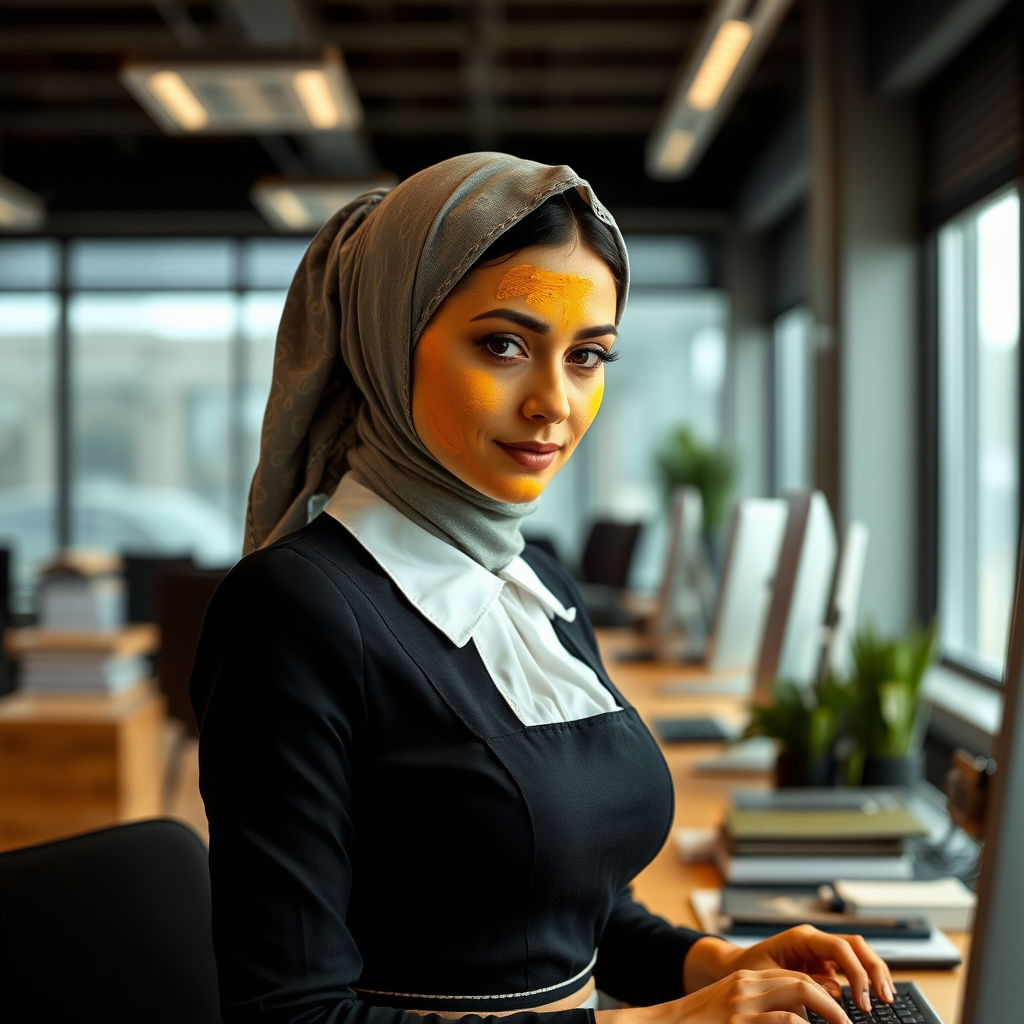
640 958
277 689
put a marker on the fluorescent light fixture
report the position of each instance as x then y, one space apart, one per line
178 100
247 97
710 80
719 63
20 210
674 152
289 209
314 92
305 206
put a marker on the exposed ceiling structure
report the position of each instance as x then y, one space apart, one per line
575 81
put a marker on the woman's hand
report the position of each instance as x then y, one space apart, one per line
803 949
744 997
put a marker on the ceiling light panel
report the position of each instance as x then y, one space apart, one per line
243 98
711 79
20 210
305 206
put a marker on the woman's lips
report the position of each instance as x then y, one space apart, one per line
531 454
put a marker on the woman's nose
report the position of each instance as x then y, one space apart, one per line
547 399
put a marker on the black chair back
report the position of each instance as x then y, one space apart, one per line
142 575
111 926
609 553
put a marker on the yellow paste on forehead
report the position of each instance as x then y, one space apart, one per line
548 292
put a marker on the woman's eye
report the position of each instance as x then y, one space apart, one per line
503 347
587 358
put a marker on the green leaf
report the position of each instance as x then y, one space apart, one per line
684 461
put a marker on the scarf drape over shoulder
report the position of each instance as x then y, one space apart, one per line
341 392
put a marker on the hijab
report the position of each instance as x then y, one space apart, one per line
341 393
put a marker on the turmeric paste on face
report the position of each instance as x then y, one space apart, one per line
550 293
471 408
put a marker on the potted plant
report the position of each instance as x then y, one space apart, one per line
886 721
684 460
806 722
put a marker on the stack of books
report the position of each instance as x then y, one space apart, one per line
86 662
778 839
82 589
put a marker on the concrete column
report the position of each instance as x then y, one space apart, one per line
865 282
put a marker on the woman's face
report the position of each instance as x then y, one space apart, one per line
509 372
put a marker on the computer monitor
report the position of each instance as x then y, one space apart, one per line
991 995
749 565
792 641
685 595
842 614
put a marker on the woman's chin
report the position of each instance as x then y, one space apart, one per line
513 488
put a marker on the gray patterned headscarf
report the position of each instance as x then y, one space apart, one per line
341 396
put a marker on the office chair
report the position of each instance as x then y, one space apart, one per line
609 553
183 596
605 568
112 926
142 574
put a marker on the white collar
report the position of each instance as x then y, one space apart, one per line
444 584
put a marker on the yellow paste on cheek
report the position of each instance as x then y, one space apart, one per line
547 292
453 396
594 402
454 399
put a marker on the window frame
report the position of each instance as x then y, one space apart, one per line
929 425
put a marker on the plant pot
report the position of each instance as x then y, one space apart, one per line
792 770
893 771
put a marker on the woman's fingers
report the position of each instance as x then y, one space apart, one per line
829 983
759 992
854 957
876 966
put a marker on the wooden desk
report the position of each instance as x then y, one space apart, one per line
665 885
70 764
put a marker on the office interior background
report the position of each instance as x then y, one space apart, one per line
826 272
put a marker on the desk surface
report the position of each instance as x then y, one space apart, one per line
665 885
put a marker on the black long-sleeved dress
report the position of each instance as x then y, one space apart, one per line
386 833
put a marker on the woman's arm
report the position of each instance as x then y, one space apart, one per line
640 955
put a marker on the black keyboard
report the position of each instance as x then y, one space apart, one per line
909 1007
690 730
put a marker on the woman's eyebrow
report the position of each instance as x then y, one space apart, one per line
529 322
596 332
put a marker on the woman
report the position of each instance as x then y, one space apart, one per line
425 794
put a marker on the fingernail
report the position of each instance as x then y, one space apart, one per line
865 1000
890 993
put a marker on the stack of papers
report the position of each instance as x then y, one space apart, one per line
780 843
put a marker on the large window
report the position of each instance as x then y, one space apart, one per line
979 449
793 400
167 347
